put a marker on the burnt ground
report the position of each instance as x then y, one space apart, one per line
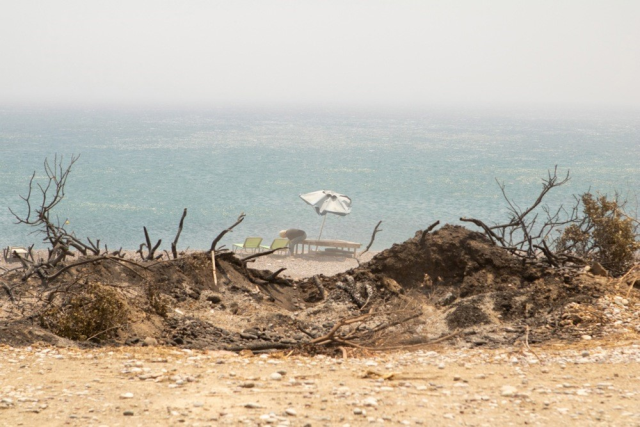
453 285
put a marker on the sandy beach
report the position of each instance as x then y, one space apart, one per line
300 266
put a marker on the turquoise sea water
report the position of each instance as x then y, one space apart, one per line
141 168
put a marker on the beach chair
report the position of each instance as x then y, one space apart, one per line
252 243
277 244
10 251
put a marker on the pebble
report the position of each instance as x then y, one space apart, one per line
370 401
276 376
126 396
127 413
150 341
252 405
620 301
508 391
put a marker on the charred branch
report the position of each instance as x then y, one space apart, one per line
259 254
39 209
7 289
152 249
490 234
275 274
427 231
221 235
526 231
174 244
376 230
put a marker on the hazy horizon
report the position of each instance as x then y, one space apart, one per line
322 54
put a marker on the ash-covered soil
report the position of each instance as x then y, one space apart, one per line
452 286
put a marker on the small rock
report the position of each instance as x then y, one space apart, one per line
586 337
127 413
620 301
126 396
251 405
150 342
370 401
291 412
276 376
508 390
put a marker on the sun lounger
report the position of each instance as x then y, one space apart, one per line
250 243
9 253
277 244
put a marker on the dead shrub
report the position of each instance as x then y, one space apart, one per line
605 234
94 311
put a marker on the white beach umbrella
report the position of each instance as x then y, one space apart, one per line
326 201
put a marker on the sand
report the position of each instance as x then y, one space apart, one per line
587 384
300 266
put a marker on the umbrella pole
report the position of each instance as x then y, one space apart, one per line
324 218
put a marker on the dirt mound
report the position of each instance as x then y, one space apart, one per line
476 283
452 283
453 256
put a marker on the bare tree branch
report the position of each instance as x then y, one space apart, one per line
174 245
373 237
152 249
427 231
221 235
525 231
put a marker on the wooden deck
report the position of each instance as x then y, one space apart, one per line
332 247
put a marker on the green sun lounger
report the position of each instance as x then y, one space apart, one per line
250 243
276 244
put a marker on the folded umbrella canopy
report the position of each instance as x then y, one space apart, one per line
326 201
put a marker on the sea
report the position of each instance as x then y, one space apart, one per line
407 168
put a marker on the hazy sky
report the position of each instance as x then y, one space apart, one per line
336 53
